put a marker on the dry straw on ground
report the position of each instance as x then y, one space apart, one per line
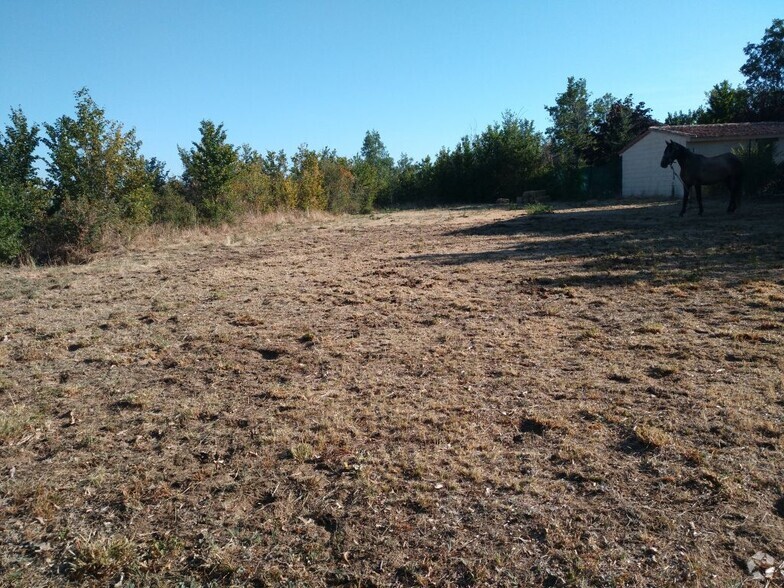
441 398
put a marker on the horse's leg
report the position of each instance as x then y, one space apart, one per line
698 192
686 188
734 187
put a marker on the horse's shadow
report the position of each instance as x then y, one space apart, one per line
603 246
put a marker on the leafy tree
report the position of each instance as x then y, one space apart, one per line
413 180
282 192
572 121
17 150
570 136
97 178
641 119
690 117
764 71
93 158
338 182
762 96
374 152
759 167
725 104
508 155
22 200
250 186
310 180
373 168
12 224
157 174
616 122
505 159
21 212
209 166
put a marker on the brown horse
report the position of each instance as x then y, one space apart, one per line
698 170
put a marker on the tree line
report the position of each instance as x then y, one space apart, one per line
759 98
97 180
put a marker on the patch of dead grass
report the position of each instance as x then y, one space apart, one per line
437 398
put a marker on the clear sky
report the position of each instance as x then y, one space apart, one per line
322 72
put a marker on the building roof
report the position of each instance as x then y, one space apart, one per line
718 132
755 130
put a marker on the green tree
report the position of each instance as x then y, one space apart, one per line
22 199
616 122
338 182
250 185
157 174
17 150
762 96
764 71
570 136
93 158
282 192
690 117
12 223
508 158
97 178
209 166
725 104
572 121
373 168
764 67
309 180
172 207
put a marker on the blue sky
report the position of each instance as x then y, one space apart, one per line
423 73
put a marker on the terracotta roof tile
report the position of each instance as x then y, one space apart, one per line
726 130
758 130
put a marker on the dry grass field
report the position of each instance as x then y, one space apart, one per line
465 397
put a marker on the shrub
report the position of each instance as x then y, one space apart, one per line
11 226
759 168
21 213
172 208
137 206
252 188
74 232
538 208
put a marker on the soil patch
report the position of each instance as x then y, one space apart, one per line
465 397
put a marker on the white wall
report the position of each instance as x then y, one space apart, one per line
641 169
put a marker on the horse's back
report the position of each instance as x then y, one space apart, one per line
722 165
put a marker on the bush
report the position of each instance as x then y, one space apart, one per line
538 208
222 208
75 231
252 188
759 168
173 209
21 213
11 226
776 183
137 205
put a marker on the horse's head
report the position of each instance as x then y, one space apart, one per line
670 153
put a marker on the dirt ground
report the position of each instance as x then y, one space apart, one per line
463 397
